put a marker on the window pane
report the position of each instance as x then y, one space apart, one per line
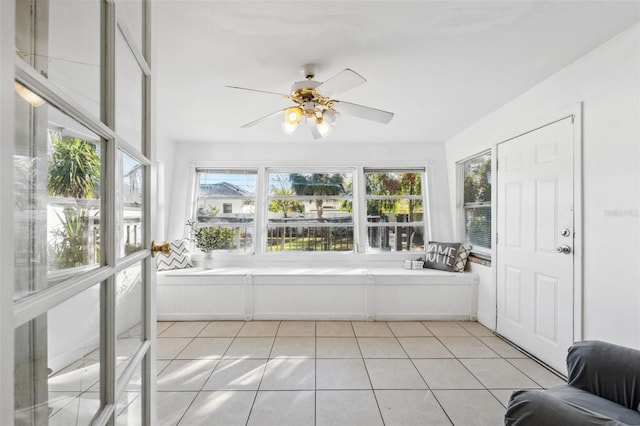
310 211
64 47
129 406
310 238
477 180
395 210
57 177
130 201
130 11
226 196
129 95
57 363
225 209
477 201
129 312
394 183
478 226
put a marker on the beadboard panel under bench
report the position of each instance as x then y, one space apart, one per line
316 294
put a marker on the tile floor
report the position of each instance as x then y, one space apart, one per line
344 373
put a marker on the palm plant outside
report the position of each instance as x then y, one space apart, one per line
74 172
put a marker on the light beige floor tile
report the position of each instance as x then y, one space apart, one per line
445 328
289 374
371 329
294 347
297 329
337 347
498 374
394 374
501 347
468 347
219 408
446 374
172 406
347 407
259 329
502 395
186 375
537 373
408 329
170 348
161 365
410 407
206 348
162 326
424 347
221 329
79 376
334 329
283 408
341 374
475 328
237 374
471 407
381 347
184 329
250 347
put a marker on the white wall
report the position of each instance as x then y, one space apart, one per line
607 82
181 160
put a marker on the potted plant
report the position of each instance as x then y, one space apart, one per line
210 238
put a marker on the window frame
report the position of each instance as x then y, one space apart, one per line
477 251
193 214
311 169
423 196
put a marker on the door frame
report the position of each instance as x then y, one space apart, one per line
575 112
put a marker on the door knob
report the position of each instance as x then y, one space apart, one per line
565 249
163 248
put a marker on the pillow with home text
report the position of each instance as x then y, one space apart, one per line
441 256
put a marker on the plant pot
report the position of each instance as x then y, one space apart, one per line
207 261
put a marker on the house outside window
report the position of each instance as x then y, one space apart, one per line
227 199
310 210
476 203
395 210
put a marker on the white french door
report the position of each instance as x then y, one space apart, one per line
78 326
535 241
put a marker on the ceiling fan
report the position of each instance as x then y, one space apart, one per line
313 102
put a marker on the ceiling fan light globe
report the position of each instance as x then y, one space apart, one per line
324 128
331 117
292 115
289 128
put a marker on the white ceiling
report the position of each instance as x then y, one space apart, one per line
439 66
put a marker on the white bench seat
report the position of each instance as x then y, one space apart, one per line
317 293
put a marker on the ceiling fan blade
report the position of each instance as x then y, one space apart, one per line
261 119
361 111
259 91
341 82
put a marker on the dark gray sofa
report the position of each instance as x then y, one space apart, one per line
603 388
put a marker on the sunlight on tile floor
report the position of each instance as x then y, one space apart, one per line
338 373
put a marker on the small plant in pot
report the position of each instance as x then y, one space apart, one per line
209 238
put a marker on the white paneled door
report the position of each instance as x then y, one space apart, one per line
535 238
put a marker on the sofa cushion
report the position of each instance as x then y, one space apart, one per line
606 370
566 406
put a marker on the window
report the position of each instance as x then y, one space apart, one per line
476 203
395 210
310 211
227 199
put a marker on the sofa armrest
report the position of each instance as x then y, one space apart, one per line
607 370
